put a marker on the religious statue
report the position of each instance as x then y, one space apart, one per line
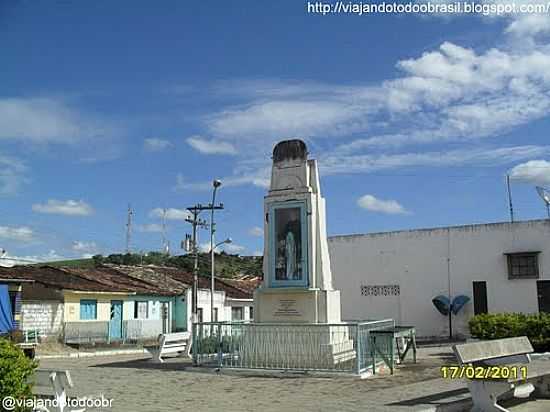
289 247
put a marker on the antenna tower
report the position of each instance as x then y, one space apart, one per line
129 228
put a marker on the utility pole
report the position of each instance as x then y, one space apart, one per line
129 228
195 222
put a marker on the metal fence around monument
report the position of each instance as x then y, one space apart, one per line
340 347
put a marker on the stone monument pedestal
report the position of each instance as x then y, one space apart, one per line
296 299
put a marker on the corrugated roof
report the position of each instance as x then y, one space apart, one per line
142 280
152 276
247 284
57 278
114 277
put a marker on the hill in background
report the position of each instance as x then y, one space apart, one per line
228 266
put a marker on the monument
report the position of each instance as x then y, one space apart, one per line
297 286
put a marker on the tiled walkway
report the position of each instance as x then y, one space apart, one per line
136 384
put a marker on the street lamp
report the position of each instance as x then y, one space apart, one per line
215 183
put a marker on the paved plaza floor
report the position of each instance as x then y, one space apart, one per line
135 384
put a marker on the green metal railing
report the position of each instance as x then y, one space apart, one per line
339 347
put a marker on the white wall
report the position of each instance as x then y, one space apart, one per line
46 316
421 262
154 311
246 304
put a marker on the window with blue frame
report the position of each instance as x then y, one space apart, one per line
88 309
288 244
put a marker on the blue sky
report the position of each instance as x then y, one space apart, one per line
415 119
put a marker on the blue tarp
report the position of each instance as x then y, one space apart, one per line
6 318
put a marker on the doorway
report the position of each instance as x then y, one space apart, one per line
165 316
543 293
480 297
115 324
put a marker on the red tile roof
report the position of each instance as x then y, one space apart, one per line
141 280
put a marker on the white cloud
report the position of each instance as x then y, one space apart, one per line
447 94
19 234
211 146
258 178
371 203
534 172
338 163
12 260
150 228
12 175
233 249
348 159
84 247
256 231
290 118
46 120
529 25
205 247
171 213
156 145
64 207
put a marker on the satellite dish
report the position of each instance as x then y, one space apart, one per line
442 304
545 196
458 303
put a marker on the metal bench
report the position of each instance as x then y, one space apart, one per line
170 344
512 353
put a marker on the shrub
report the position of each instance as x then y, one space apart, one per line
211 344
15 371
507 325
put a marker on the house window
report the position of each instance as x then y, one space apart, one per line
88 309
523 265
251 312
199 315
141 310
237 313
215 314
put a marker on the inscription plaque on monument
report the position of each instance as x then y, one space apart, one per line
287 307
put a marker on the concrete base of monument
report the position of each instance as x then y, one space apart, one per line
298 328
296 305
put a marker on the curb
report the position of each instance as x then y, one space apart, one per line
94 354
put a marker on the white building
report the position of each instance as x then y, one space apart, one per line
502 267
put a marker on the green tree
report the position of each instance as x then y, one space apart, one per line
16 371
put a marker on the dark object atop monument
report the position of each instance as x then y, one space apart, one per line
289 149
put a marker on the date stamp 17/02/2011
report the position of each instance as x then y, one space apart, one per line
484 372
